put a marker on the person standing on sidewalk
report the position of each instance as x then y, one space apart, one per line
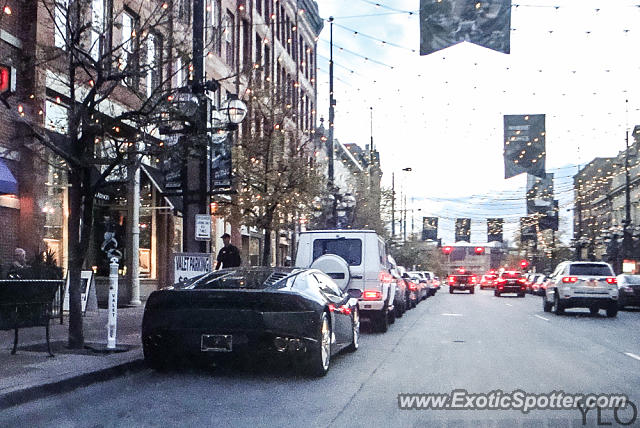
16 269
229 255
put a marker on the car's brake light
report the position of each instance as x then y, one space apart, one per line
612 280
473 279
569 279
385 277
412 286
372 295
501 282
522 281
452 279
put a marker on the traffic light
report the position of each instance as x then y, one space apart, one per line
524 264
447 250
479 250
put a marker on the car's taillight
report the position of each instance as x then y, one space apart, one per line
612 280
385 277
412 286
372 295
452 279
522 281
501 282
473 279
569 279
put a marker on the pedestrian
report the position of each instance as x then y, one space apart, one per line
229 255
17 268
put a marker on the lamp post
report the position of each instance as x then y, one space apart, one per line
627 243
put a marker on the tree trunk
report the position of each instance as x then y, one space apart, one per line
266 249
76 335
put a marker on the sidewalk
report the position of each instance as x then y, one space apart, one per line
31 374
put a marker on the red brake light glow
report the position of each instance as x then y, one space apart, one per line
612 280
385 277
412 286
569 279
371 295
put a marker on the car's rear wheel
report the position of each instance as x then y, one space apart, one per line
399 310
546 305
558 307
496 293
612 311
472 291
450 290
392 316
355 323
381 321
320 358
154 359
594 311
520 294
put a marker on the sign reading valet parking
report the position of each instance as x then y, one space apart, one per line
190 265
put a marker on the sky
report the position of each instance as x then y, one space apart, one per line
442 114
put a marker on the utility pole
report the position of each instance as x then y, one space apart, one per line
393 205
626 236
196 179
331 105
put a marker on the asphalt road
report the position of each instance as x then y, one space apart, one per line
475 342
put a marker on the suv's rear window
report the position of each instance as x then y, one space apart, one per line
348 249
590 269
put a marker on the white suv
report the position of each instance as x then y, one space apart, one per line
367 268
590 285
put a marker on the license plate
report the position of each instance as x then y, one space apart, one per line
216 342
591 283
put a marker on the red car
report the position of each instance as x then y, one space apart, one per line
488 281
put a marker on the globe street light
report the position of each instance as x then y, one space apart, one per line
233 110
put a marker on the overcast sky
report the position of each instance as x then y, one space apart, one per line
442 114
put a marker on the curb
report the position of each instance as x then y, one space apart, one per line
32 393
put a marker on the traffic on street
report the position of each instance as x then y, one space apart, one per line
478 343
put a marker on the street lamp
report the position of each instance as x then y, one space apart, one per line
233 110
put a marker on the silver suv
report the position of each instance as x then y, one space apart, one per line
590 285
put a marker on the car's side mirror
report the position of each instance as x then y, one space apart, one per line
355 293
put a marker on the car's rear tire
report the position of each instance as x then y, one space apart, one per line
155 361
472 291
612 311
546 305
320 359
355 324
594 311
399 310
392 316
496 293
520 294
450 290
558 307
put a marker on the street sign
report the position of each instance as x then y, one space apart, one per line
190 265
203 227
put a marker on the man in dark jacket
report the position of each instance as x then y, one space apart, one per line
229 255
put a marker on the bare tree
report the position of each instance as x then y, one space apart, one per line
274 169
111 68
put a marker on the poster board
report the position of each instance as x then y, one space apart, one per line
88 291
189 265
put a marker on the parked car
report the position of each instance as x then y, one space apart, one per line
628 290
590 285
429 278
414 284
510 281
530 280
300 313
537 286
403 297
425 286
365 256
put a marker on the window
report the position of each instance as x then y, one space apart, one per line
590 269
56 117
327 286
60 23
348 249
213 28
229 38
154 60
128 60
97 29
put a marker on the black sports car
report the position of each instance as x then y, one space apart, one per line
288 311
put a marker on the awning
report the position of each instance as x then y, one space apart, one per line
8 183
157 179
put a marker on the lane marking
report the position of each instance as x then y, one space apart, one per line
452 315
629 354
542 318
508 304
